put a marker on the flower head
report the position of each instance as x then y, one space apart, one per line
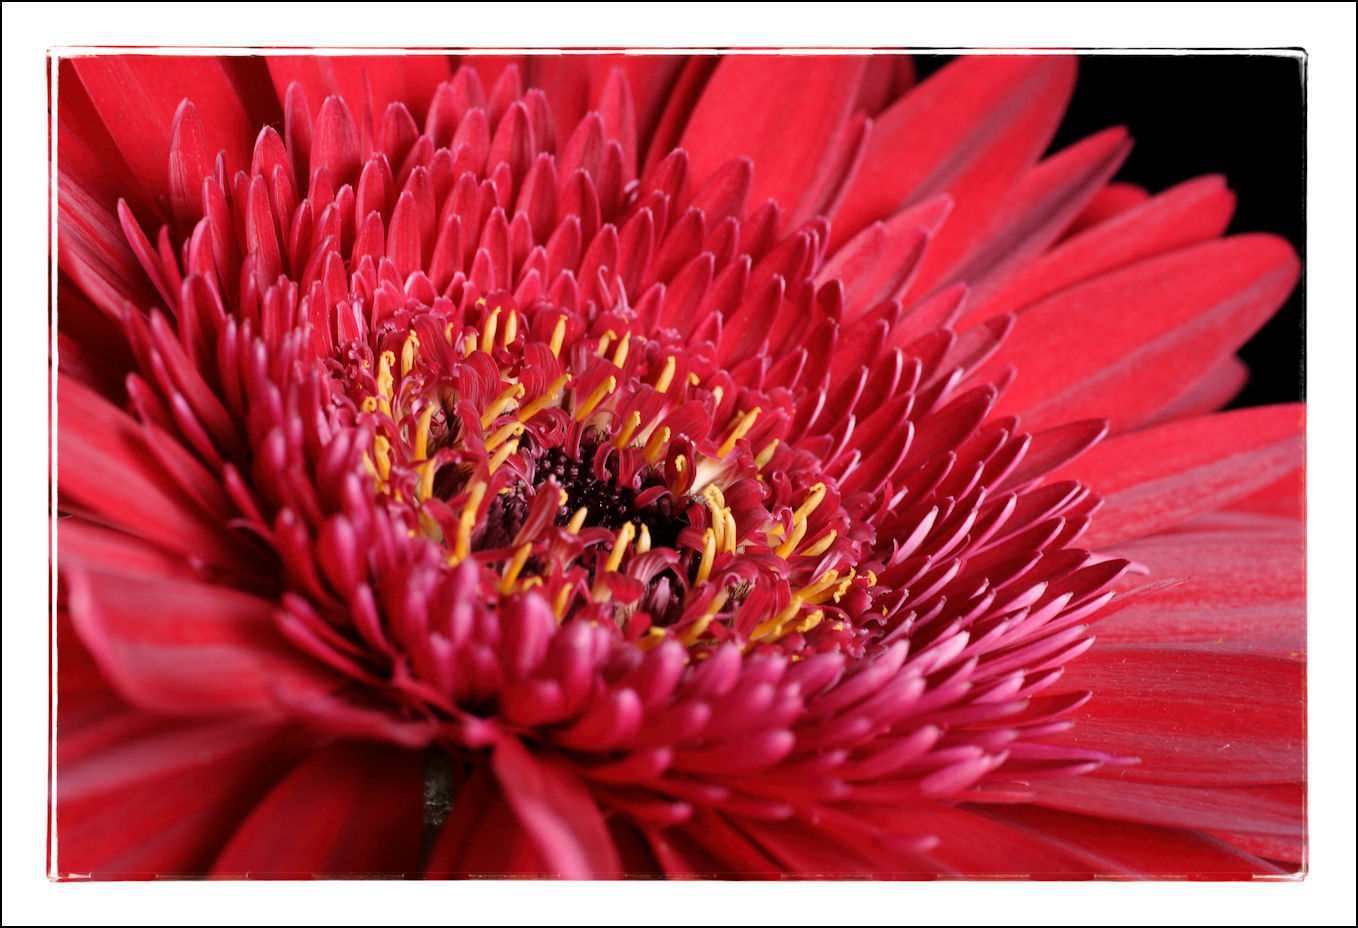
591 466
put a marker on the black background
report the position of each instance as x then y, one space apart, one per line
1238 115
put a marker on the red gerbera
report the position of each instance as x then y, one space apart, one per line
641 465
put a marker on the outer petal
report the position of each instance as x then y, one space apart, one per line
352 810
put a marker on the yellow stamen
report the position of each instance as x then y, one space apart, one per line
732 539
412 344
503 433
501 403
620 543
620 355
821 546
814 592
643 539
745 423
695 631
563 596
502 455
385 380
762 459
717 393
813 499
790 544
515 566
604 341
448 334
666 374
709 554
693 379
652 638
467 520
427 480
469 345
382 452
422 433
577 521
546 399
492 323
558 336
511 328
369 404
630 426
655 445
595 398
845 584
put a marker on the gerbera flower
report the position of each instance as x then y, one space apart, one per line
658 466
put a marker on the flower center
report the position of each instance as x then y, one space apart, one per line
564 459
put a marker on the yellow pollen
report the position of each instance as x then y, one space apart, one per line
643 537
811 621
503 433
515 566
558 336
488 333
620 543
845 584
369 404
762 459
666 374
502 455
501 403
546 399
655 445
628 428
709 554
577 521
790 543
467 520
382 452
604 341
813 499
595 398
511 328
820 546
412 344
422 433
743 425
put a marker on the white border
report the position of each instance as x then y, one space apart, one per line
1324 30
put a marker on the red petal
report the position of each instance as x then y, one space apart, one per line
1125 849
1124 345
137 96
970 130
1192 212
1193 715
1163 475
558 811
755 104
354 809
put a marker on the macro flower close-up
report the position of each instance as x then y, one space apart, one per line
596 466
